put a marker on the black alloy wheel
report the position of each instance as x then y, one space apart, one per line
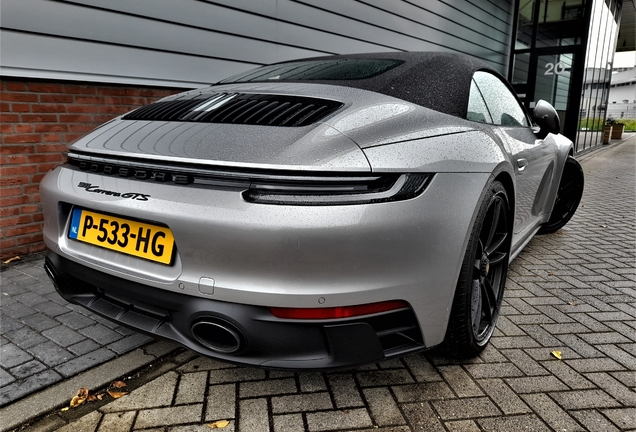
568 197
482 279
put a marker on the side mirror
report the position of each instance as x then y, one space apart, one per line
546 117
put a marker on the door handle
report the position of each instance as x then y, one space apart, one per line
522 164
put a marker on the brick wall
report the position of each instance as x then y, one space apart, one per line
38 119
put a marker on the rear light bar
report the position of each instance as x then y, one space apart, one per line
337 312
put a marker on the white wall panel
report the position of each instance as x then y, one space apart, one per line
195 42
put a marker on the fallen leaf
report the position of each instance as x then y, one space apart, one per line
64 409
556 354
91 398
118 384
117 395
219 424
100 396
15 258
79 398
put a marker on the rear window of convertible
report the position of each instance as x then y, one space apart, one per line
311 70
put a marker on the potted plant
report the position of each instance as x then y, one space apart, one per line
617 129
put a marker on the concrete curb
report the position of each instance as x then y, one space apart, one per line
45 401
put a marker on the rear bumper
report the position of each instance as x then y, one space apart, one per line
262 339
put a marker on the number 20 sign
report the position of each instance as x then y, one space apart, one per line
554 68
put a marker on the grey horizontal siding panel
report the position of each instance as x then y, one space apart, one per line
90 61
119 29
194 42
232 21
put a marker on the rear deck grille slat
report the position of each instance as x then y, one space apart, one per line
243 108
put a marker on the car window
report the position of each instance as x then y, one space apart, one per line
477 110
310 70
501 103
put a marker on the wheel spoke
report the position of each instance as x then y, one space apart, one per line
496 245
498 257
495 222
490 299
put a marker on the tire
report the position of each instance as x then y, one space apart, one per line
482 278
568 197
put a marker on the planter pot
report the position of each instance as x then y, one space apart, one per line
607 134
617 131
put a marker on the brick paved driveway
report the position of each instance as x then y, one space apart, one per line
573 291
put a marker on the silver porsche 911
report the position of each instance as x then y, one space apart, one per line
312 214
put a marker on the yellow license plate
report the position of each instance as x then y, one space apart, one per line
140 239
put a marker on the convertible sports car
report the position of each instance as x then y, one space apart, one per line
312 214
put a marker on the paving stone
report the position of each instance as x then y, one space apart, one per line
346 419
462 426
100 334
421 418
117 422
84 362
465 408
614 388
267 388
221 402
527 422
25 338
595 365
422 392
383 408
460 381
344 390
624 418
47 424
17 310
550 412
539 384
627 378
594 421
30 298
9 324
421 368
17 390
579 345
74 320
50 353
621 356
11 355
503 342
301 402
569 376
191 388
236 375
289 423
494 370
311 382
503 396
87 423
83 347
63 336
39 322
27 369
168 416
129 342
384 377
584 399
156 393
5 378
524 362
253 415
51 308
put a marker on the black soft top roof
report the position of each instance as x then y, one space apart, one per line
435 80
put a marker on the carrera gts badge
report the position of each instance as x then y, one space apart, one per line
95 189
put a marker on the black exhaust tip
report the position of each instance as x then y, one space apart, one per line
218 335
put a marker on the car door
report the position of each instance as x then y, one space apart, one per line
532 158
